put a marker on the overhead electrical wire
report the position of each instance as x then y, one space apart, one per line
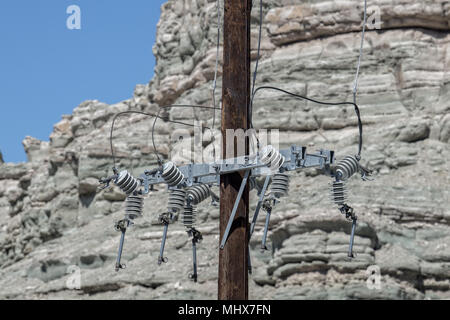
323 103
355 87
215 78
255 73
174 121
253 93
148 115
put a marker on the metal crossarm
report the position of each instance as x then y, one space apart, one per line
296 158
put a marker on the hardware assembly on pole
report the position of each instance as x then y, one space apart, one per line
236 176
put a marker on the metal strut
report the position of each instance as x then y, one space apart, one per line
233 213
165 219
249 263
259 204
121 226
350 215
255 217
268 209
352 236
196 237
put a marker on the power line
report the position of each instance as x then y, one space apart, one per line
323 103
355 86
117 115
178 122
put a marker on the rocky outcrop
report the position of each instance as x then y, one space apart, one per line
53 218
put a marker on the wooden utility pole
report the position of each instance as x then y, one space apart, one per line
233 263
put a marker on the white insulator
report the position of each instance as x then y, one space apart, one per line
134 206
189 216
346 168
177 198
338 193
127 183
198 193
272 157
171 174
280 185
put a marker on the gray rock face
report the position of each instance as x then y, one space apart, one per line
55 224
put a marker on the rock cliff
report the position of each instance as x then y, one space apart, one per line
53 217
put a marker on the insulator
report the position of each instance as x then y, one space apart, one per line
134 206
198 193
346 168
127 183
171 174
177 198
189 216
272 157
338 192
280 185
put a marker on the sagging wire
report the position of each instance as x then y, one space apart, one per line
153 139
323 103
117 115
178 122
355 87
112 130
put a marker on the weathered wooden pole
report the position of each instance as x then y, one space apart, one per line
233 273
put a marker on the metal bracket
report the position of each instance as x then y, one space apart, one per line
255 217
196 237
258 205
233 213
268 209
350 215
106 181
352 236
165 219
121 226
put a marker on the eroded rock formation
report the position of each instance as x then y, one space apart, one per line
52 216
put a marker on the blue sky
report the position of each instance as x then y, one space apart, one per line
46 70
